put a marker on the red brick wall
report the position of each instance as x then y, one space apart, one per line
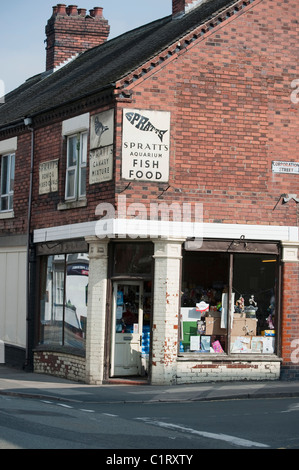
50 145
229 93
178 6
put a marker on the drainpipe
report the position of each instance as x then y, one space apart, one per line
28 362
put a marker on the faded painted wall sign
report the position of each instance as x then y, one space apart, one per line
48 177
101 164
102 129
101 147
285 167
145 145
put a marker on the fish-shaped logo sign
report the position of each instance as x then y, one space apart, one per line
143 123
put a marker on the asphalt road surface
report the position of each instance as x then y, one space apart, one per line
123 429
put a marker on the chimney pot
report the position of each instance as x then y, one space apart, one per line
61 9
72 10
98 11
82 11
55 9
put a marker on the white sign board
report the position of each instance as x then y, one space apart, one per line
145 145
48 177
285 167
101 164
102 129
101 147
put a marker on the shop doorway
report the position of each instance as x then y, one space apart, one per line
127 329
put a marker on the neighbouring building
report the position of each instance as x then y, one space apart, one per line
149 209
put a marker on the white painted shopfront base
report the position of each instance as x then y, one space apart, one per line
189 371
97 288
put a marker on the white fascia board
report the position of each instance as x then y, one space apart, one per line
251 232
64 232
133 228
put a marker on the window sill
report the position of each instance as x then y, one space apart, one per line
7 215
227 357
60 349
62 206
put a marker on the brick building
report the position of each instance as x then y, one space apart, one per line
149 198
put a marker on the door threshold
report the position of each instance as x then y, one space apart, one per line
127 380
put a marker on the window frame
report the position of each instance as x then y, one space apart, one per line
78 169
54 291
233 248
9 181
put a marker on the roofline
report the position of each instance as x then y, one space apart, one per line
183 42
20 121
169 52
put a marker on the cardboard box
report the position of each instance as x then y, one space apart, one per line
213 326
244 327
268 344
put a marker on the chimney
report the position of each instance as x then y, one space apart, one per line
70 31
180 7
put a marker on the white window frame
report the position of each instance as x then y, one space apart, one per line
77 169
9 178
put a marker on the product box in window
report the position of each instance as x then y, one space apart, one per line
244 327
268 333
213 326
205 343
268 344
240 344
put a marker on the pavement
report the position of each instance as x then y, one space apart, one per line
20 383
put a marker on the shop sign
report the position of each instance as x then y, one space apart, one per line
285 167
101 164
101 147
48 177
78 270
102 129
145 145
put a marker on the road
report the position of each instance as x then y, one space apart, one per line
228 424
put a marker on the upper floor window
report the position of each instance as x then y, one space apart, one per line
75 187
7 182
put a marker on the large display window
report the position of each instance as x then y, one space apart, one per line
63 305
228 303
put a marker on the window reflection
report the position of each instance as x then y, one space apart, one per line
63 309
205 319
133 258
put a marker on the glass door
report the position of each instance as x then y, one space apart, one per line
127 325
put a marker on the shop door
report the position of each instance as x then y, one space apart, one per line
127 324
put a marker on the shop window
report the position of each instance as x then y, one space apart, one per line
253 296
63 306
228 303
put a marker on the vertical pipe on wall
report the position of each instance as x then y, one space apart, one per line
28 360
